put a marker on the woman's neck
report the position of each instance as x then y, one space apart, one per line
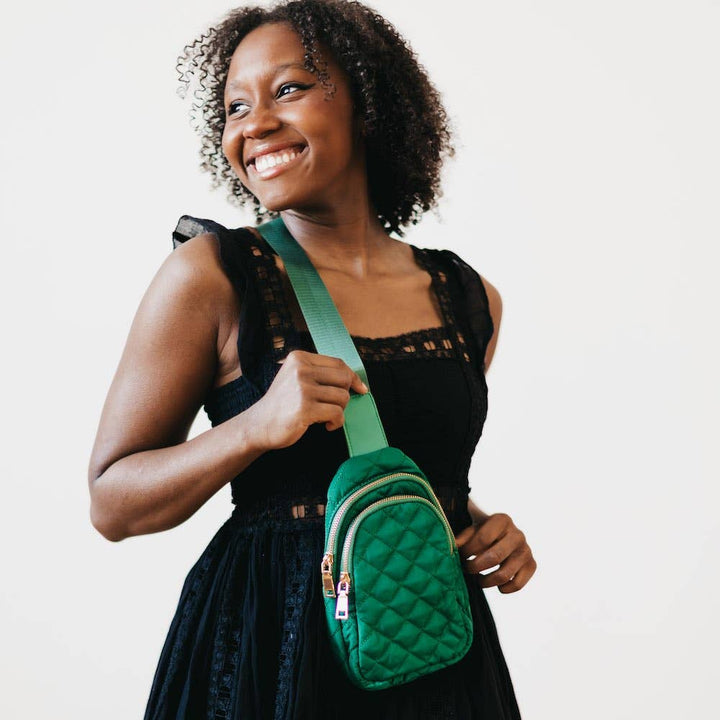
352 242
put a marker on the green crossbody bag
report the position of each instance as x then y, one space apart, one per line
396 600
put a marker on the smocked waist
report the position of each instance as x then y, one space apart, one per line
309 510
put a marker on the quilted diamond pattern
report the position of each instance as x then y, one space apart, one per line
408 605
356 471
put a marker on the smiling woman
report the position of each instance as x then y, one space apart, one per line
323 51
315 112
274 104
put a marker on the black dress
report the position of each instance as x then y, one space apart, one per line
248 639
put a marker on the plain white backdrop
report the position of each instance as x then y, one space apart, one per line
585 188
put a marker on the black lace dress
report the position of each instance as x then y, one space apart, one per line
248 638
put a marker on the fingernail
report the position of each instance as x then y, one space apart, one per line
365 387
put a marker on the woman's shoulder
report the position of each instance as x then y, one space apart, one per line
197 258
473 284
213 246
213 260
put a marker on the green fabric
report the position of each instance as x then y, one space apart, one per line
408 605
404 604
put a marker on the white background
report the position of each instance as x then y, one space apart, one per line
585 188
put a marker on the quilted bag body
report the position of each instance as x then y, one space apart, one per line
395 597
396 601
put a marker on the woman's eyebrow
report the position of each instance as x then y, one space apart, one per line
235 84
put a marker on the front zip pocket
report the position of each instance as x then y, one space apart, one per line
345 581
326 566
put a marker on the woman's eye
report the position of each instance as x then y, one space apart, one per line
302 86
235 106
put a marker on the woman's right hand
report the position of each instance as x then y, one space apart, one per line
309 388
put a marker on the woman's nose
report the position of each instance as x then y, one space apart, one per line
259 121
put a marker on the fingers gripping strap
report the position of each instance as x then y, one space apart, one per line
363 428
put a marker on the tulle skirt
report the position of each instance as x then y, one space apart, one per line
248 640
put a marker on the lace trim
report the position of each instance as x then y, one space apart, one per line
440 279
307 508
476 381
184 623
431 342
295 590
423 343
224 667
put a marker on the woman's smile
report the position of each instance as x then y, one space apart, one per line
276 110
269 165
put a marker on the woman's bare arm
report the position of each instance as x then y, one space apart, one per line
495 307
144 475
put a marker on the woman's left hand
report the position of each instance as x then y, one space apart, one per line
497 541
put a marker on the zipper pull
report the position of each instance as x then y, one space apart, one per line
343 588
327 580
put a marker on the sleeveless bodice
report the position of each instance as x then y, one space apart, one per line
428 385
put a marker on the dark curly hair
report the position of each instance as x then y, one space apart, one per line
406 129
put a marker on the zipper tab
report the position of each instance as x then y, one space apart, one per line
327 579
343 588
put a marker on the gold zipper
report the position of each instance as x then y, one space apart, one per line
328 587
343 588
327 561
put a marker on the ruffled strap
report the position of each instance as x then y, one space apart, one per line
252 342
471 298
189 226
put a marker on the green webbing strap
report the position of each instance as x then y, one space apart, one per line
363 428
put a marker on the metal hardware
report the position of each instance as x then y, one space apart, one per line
326 568
343 588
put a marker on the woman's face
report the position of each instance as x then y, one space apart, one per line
289 146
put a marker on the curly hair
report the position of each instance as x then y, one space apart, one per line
406 129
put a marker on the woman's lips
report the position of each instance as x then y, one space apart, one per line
280 167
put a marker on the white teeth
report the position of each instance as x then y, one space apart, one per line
271 160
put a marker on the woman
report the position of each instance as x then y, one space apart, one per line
319 111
